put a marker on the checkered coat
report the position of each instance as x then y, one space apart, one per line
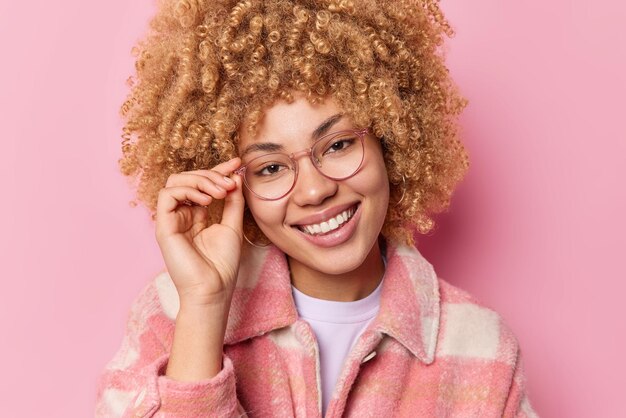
432 351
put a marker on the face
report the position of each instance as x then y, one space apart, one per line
316 202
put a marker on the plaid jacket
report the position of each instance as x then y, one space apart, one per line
432 350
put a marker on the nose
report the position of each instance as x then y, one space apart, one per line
311 187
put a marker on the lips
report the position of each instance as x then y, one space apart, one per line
327 220
337 236
328 226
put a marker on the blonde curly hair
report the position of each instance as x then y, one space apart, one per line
206 66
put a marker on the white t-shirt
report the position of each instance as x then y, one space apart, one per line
337 325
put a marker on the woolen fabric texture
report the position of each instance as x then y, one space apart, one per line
431 351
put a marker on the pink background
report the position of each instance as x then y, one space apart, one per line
536 230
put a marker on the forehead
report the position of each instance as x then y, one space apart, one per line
293 123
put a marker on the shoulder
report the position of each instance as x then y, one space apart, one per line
149 328
158 297
470 329
155 308
465 328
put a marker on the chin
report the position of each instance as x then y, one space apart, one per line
337 267
337 260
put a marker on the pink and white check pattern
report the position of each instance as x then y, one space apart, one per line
432 351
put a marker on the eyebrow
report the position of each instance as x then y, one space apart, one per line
325 126
273 147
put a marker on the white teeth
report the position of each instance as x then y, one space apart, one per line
330 225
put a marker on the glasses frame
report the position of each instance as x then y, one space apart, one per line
361 133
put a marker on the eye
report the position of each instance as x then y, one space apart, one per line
269 169
339 145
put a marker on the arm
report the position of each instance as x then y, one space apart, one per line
202 261
134 383
517 403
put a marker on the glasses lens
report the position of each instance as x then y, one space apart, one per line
270 176
340 155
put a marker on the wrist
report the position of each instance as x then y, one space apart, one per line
203 312
199 302
198 341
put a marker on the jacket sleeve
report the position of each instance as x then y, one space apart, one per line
134 384
517 403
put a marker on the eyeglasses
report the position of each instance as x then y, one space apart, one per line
337 156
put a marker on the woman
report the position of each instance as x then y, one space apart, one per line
288 150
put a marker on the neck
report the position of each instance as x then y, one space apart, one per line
346 287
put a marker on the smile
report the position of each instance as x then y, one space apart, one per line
330 225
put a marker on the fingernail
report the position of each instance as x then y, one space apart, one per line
228 180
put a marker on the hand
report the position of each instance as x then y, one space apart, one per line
202 260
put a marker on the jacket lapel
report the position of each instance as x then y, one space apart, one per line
409 307
262 300
409 310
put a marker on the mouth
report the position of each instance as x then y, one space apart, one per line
330 225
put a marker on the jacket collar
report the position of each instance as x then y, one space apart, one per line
409 308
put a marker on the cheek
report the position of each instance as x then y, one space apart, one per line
267 214
374 181
376 190
375 170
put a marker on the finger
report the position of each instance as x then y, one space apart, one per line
210 187
216 186
171 197
234 204
225 168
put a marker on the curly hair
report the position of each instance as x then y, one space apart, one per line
207 66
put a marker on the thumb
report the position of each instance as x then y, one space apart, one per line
234 204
